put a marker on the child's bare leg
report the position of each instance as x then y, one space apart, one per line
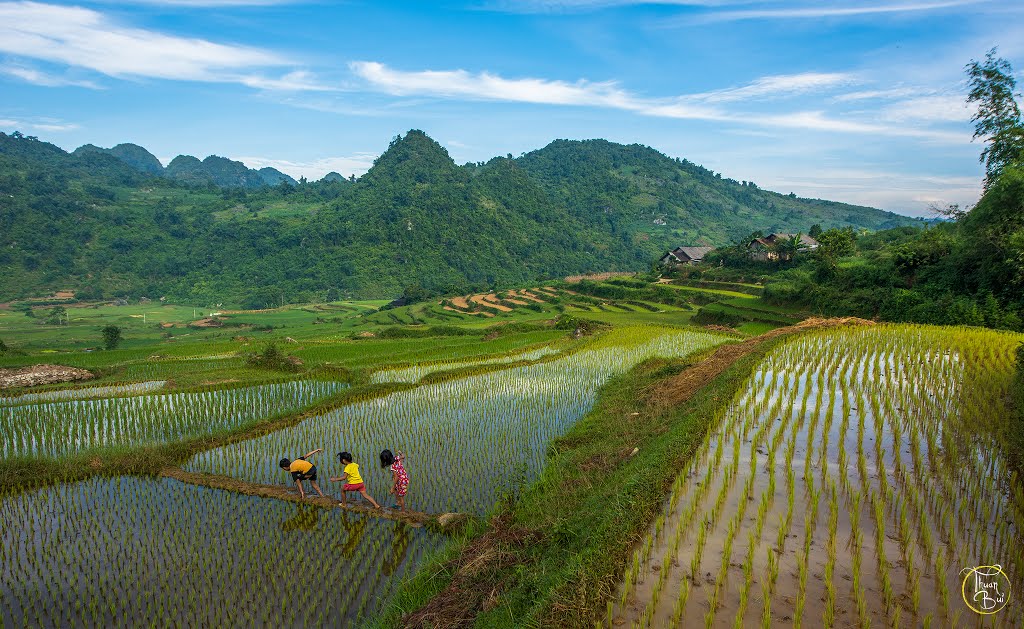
302 492
344 498
401 501
368 497
317 488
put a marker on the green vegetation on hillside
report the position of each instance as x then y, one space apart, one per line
94 222
967 270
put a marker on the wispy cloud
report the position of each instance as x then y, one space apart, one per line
906 192
703 106
487 86
204 3
778 86
37 77
820 10
355 164
84 38
43 124
578 6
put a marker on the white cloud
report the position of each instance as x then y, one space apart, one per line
37 125
907 193
205 3
935 108
778 86
36 77
576 6
882 94
84 38
704 106
355 164
822 10
487 86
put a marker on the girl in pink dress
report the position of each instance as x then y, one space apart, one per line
399 477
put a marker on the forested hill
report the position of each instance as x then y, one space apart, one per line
108 224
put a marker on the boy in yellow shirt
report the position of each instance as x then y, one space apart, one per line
353 480
301 470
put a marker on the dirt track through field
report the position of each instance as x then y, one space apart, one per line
678 389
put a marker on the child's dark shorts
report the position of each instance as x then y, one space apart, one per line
310 475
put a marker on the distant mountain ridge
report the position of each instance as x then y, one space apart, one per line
207 231
219 171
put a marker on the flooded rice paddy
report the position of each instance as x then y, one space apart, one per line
848 485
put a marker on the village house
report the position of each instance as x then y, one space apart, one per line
768 249
684 255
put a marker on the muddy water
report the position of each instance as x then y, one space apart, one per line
885 423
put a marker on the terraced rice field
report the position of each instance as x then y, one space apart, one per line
416 372
130 552
68 427
127 551
847 486
81 393
467 441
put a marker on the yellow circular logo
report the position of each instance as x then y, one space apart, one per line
986 589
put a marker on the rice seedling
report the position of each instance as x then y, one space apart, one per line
67 427
81 393
493 428
415 373
898 419
192 556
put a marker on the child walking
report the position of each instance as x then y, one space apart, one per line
399 477
353 481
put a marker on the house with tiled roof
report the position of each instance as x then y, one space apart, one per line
684 255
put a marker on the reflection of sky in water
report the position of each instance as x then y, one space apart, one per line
61 428
142 549
467 441
414 373
82 393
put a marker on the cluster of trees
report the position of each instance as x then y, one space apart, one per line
968 269
110 228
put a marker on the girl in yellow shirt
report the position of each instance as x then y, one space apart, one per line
353 480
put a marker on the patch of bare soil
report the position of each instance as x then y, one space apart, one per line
525 294
290 494
38 375
483 301
470 592
208 322
460 302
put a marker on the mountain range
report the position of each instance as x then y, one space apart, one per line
114 223
219 171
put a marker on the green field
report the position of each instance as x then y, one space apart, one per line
544 423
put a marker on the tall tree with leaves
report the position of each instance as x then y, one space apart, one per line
111 336
997 119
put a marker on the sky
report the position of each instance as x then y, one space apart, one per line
861 101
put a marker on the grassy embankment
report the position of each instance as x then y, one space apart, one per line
1015 427
554 555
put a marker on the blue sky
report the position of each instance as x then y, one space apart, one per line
857 101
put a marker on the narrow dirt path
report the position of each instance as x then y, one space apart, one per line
680 388
280 492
